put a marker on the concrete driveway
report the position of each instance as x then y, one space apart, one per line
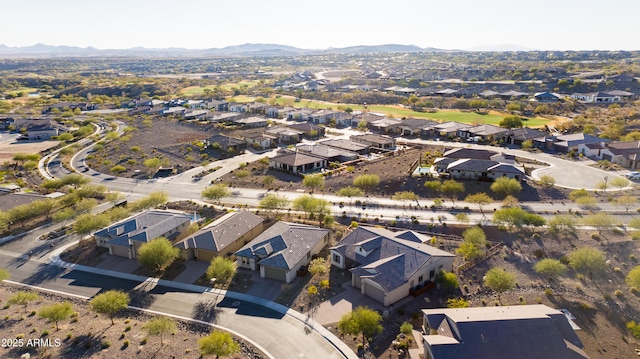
330 311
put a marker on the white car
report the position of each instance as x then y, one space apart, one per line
633 175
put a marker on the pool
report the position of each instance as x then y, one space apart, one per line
421 171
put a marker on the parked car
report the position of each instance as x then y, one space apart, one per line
633 175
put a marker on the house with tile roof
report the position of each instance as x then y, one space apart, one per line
386 265
505 332
298 162
596 97
125 237
227 143
625 154
473 169
332 154
222 237
566 143
280 251
375 141
346 145
410 126
485 132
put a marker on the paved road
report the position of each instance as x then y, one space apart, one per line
280 335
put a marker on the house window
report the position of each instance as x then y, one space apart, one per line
420 279
308 255
337 258
432 274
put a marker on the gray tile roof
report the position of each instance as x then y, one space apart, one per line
283 245
345 144
471 165
296 159
142 227
524 332
326 151
223 232
469 153
392 256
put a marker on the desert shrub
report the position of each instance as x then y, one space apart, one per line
634 329
105 344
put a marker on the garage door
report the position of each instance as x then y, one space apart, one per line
275 273
373 292
120 251
606 157
206 256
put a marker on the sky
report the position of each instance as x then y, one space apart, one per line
200 24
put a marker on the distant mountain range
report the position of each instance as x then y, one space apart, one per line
41 50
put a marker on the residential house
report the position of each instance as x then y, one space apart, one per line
10 199
513 95
258 108
380 142
386 265
280 251
221 238
238 107
285 134
476 154
125 237
332 154
625 154
347 145
227 143
260 139
446 92
323 116
517 136
299 115
546 97
367 117
483 132
474 169
298 162
410 126
278 111
224 117
397 90
251 122
197 115
39 129
383 124
63 106
596 97
500 332
566 143
217 105
309 130
177 111
446 129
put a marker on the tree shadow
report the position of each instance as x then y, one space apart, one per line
205 310
141 298
44 273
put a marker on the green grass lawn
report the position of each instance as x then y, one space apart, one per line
399 112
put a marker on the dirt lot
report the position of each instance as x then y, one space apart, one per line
177 144
89 335
9 149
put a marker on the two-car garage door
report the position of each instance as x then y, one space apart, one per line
275 273
373 291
